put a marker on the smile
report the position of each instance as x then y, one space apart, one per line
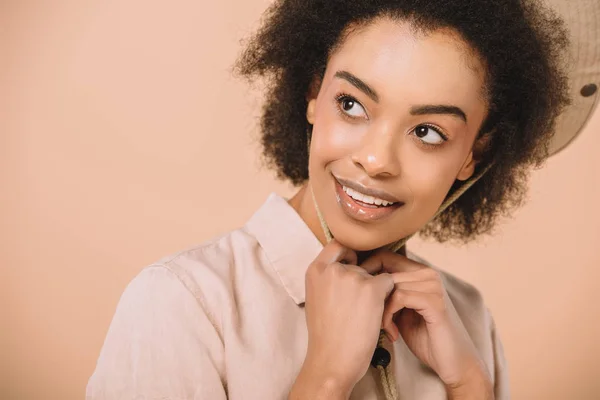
365 198
363 207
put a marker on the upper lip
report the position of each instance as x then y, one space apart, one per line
359 187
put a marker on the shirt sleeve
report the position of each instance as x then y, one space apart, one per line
501 381
161 344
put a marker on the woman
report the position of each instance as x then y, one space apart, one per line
384 113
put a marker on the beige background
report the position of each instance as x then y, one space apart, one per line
124 138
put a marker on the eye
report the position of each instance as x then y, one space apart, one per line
429 135
350 106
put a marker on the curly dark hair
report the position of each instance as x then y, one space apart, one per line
521 43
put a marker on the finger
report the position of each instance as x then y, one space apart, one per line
430 306
431 286
387 261
423 274
384 284
335 252
371 267
356 269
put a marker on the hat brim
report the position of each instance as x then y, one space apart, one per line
582 18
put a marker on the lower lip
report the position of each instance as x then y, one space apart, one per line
362 211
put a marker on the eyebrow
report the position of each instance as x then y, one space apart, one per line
427 109
439 109
359 84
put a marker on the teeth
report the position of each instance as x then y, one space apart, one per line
365 198
357 195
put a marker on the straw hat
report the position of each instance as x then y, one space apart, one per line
582 18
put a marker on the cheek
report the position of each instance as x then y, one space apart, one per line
333 138
428 177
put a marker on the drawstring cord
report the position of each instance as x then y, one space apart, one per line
382 358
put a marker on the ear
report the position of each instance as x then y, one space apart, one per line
467 168
311 98
310 111
479 147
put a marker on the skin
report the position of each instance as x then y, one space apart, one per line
377 145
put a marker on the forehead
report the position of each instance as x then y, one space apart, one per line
395 58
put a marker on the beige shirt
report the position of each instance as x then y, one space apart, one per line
225 320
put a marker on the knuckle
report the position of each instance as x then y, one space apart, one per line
335 270
373 287
387 323
434 275
436 288
398 295
371 290
337 245
312 271
440 303
355 277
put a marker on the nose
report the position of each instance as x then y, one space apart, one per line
378 153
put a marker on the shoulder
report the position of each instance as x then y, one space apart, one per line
166 335
206 272
210 260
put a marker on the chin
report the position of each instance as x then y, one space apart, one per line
356 240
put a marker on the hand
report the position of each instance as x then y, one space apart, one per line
420 310
344 308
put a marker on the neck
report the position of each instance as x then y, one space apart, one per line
302 202
304 205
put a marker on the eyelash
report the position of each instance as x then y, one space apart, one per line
345 96
338 101
438 131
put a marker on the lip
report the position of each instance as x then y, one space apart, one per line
379 193
362 211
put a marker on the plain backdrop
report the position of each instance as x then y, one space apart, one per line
124 138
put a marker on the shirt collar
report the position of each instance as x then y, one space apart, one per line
289 244
287 241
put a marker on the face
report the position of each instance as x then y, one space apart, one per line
394 121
